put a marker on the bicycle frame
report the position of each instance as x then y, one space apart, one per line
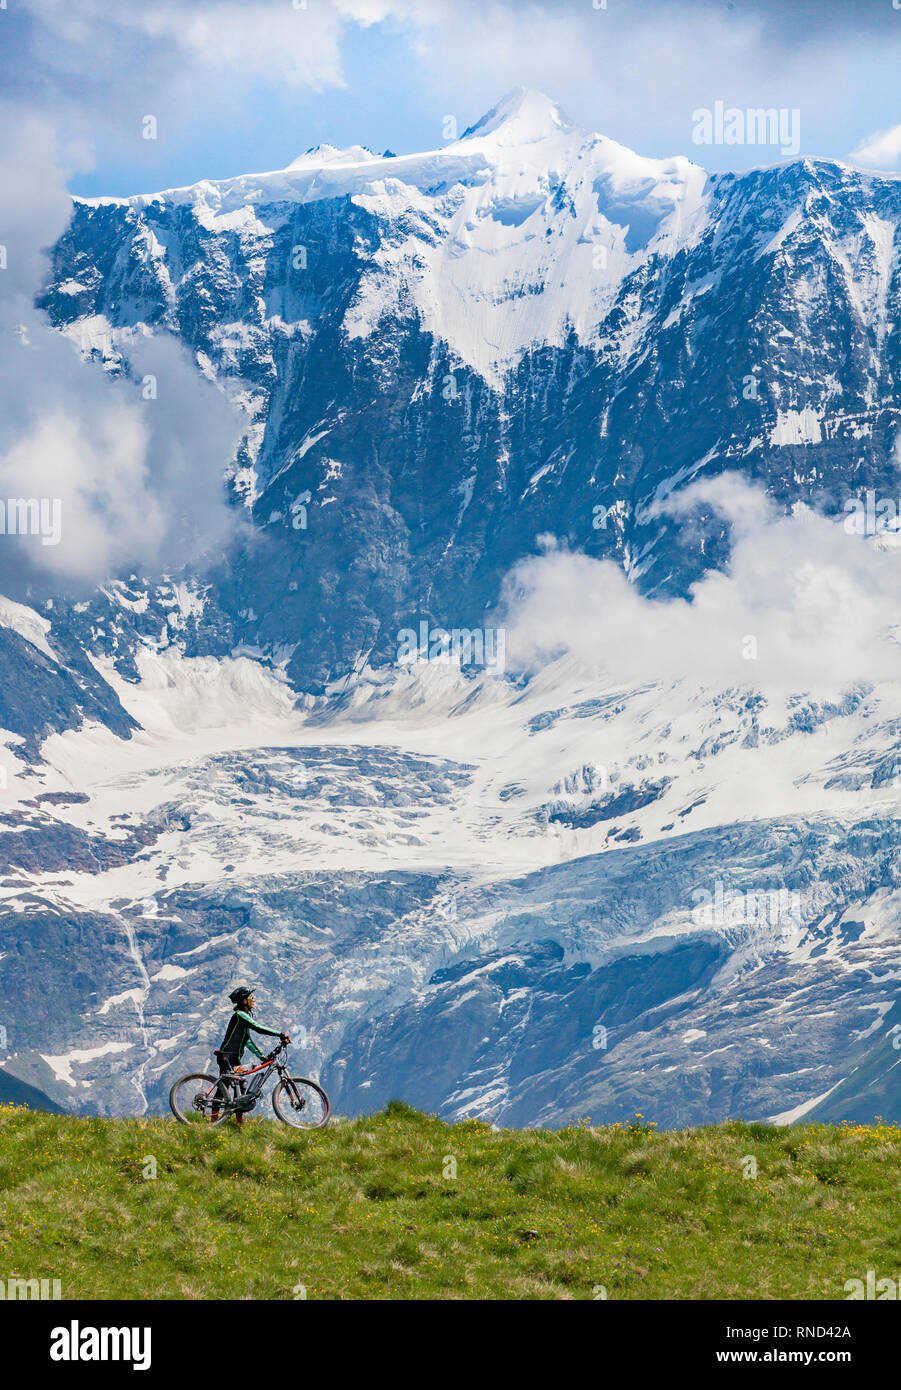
295 1100
247 1096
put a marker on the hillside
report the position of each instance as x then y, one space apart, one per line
16 1092
373 1209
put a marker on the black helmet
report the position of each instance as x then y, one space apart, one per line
239 995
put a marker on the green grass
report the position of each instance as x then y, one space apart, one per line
370 1209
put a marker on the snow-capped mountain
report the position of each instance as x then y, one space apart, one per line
568 887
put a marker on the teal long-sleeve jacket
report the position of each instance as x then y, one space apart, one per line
237 1035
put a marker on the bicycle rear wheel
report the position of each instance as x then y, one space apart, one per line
200 1099
301 1103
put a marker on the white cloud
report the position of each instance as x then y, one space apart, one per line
269 39
819 603
139 482
881 151
99 54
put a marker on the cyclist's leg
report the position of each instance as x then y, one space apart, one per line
225 1064
242 1088
252 1088
239 1116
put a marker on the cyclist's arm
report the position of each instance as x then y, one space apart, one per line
259 1028
254 1049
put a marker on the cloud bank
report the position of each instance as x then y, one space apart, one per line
133 482
802 605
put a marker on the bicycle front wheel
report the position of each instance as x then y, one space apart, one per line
301 1103
200 1099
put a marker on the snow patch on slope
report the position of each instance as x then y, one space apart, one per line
797 427
27 623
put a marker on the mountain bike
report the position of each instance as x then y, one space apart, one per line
296 1100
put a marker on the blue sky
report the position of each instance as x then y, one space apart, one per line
243 87
379 104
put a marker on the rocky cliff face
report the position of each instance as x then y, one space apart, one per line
484 892
532 330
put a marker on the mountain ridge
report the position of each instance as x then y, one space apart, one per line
446 401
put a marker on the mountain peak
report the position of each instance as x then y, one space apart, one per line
319 155
523 114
